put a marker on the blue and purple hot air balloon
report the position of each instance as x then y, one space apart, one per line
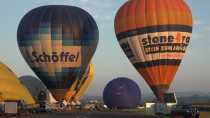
122 93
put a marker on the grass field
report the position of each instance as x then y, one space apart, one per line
205 115
202 115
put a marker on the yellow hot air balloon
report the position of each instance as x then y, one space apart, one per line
11 88
85 83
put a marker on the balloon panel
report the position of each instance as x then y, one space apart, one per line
144 53
136 14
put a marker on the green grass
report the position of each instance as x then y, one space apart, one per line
142 111
136 111
202 115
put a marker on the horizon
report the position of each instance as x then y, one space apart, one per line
195 63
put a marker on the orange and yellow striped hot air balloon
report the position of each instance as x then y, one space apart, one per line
154 35
86 81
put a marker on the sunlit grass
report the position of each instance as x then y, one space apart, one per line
205 115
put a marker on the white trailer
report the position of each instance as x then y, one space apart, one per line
162 107
9 106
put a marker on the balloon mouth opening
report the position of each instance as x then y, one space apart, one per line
59 94
159 91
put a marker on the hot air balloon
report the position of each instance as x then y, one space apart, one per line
35 87
58 42
154 34
85 83
11 88
122 93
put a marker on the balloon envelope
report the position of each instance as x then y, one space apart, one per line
86 80
11 88
35 87
154 35
122 93
58 43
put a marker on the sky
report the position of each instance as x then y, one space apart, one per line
109 60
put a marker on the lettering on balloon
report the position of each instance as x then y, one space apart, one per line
126 48
158 44
55 57
165 48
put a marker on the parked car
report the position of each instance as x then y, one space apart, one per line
187 111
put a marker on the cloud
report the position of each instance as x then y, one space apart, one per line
201 29
102 10
207 28
201 25
197 22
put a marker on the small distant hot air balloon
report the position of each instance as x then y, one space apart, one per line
58 43
154 34
85 83
122 93
35 87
